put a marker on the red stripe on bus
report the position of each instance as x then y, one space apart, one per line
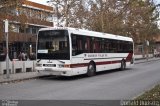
97 63
129 57
107 62
79 65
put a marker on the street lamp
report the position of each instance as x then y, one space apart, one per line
7 57
30 49
57 15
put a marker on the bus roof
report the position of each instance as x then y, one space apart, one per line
89 33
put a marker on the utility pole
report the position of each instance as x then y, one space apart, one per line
7 57
57 15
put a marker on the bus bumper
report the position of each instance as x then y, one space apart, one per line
54 71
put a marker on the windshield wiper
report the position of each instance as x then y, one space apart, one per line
61 61
39 60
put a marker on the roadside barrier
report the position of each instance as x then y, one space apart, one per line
17 67
3 67
143 56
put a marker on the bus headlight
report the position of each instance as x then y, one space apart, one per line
67 66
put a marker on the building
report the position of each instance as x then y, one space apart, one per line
25 19
151 47
157 45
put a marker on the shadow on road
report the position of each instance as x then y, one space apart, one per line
71 78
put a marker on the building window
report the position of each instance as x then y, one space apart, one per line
34 29
28 30
14 27
49 18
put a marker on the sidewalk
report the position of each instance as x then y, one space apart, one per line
31 75
145 60
18 77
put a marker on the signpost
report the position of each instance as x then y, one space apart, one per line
7 57
147 45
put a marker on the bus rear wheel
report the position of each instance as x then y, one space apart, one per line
91 70
123 65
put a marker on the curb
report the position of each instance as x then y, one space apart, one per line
22 77
145 60
17 80
146 90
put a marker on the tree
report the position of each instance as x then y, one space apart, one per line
141 17
65 10
134 18
106 16
10 10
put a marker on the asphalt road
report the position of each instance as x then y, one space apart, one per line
109 85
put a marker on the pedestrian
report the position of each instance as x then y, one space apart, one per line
32 56
23 56
26 56
20 56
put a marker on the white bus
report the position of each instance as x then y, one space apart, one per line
70 51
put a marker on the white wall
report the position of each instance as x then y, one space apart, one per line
15 66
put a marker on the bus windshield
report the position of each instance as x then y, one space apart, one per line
53 44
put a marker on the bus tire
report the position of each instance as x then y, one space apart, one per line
123 65
91 71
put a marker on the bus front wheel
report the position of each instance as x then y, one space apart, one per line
91 70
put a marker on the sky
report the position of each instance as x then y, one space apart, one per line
157 1
45 1
40 1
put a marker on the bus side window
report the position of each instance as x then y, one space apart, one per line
120 49
87 44
102 45
97 45
107 46
77 44
131 47
74 45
